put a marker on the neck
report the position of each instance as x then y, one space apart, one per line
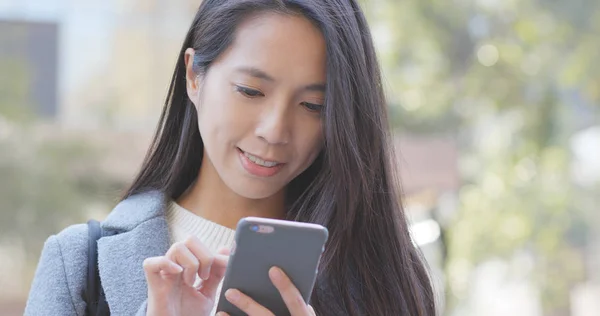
210 198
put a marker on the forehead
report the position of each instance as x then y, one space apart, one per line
278 43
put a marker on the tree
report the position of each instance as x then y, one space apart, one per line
46 181
512 80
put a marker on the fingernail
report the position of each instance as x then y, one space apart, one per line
191 280
205 274
232 295
177 268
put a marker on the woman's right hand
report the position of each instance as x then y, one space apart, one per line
171 278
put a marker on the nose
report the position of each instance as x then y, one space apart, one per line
274 126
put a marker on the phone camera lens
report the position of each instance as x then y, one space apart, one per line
254 228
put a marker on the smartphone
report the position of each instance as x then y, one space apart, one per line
262 243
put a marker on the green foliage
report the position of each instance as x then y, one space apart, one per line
14 92
46 185
509 79
46 181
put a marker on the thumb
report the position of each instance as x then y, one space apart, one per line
217 272
226 251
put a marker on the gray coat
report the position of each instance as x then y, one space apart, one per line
60 278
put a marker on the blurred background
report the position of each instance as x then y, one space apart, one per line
495 106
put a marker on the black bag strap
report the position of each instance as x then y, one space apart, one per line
94 293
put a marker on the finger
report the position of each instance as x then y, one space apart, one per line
217 272
220 264
311 310
156 267
224 251
290 294
162 264
222 314
203 254
180 254
246 304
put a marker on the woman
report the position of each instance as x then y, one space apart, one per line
275 109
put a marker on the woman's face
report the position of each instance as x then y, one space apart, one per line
259 105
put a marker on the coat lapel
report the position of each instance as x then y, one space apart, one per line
143 233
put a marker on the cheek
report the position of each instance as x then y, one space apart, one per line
212 117
312 144
220 120
212 105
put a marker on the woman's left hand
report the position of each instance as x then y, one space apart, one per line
290 294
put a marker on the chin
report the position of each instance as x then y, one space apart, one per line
254 191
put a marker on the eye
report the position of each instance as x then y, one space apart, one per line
312 106
248 92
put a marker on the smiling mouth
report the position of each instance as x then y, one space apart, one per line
259 161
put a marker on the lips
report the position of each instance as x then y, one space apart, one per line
259 161
258 166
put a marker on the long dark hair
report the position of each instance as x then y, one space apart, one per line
370 266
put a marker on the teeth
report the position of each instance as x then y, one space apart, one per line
259 161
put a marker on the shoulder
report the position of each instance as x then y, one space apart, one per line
71 247
72 242
68 248
60 274
74 235
135 210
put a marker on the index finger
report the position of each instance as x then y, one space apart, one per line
290 294
217 272
205 257
219 265
246 304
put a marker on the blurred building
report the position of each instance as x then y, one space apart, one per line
29 65
143 43
114 61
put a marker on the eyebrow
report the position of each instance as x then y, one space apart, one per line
257 73
316 87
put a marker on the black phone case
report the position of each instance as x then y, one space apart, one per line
294 247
